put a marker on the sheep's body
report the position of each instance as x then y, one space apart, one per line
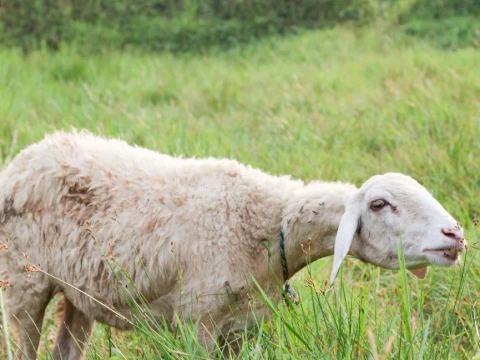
188 232
73 201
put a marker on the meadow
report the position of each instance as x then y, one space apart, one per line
337 104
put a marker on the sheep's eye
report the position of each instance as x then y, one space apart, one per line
378 204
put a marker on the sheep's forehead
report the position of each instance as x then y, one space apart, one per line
399 188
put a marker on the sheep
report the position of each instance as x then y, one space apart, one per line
74 201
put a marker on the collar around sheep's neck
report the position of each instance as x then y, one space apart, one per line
283 257
287 288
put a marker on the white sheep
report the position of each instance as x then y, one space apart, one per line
74 204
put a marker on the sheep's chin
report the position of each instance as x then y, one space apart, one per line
419 273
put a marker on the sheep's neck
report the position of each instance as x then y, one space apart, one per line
306 248
310 228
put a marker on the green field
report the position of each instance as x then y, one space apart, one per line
336 104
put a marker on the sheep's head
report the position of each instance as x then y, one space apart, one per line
393 209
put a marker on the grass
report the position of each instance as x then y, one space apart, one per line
336 104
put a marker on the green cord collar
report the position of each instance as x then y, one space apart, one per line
287 288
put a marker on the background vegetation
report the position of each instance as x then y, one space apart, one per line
192 25
350 89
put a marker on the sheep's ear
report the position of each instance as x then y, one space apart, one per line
346 231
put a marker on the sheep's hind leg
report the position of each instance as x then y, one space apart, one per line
73 335
28 318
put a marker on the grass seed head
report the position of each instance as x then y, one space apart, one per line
5 284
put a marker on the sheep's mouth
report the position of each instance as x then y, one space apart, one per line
448 253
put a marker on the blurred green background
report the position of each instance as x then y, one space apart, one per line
192 25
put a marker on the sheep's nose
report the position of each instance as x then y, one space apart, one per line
454 233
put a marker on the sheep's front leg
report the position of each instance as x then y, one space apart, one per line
231 345
73 335
210 338
207 336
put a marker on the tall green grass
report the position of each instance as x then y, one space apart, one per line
336 104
